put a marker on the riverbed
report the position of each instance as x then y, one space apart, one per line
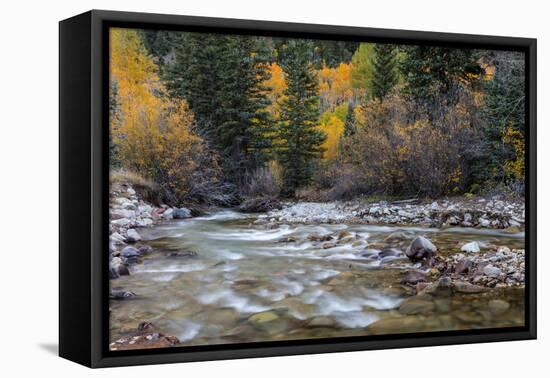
221 278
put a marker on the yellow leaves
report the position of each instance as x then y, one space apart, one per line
154 136
276 85
335 85
130 66
333 129
455 176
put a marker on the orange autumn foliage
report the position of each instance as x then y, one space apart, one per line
154 134
335 85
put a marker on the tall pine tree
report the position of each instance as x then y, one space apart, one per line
246 127
298 129
194 77
384 76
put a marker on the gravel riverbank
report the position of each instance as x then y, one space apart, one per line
485 213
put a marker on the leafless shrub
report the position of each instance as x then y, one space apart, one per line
263 182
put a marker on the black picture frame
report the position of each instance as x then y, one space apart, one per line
83 195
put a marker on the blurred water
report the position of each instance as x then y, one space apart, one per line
243 269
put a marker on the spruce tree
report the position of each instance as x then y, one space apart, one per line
298 129
246 129
433 75
384 70
195 77
221 77
349 123
115 117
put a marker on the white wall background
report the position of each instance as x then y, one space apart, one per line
29 189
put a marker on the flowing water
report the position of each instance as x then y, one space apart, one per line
248 283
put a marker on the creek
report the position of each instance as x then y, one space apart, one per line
250 283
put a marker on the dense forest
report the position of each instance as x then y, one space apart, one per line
219 119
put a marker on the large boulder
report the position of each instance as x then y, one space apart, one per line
421 250
260 205
181 213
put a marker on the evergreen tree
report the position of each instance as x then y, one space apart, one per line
298 129
115 117
195 77
349 124
384 76
433 75
503 113
221 78
246 128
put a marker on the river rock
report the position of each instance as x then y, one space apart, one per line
122 222
441 288
321 321
472 247
263 317
468 316
129 252
468 288
498 306
118 268
421 249
491 271
503 249
144 222
513 230
329 245
144 249
182 213
121 294
168 213
260 205
416 305
413 277
184 254
343 234
117 238
395 325
463 266
484 222
132 236
317 237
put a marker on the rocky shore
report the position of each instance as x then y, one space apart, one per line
129 213
146 336
481 212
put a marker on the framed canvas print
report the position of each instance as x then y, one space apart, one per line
233 188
